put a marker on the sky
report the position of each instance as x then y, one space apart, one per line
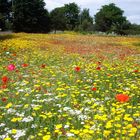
131 7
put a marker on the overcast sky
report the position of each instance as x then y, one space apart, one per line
131 7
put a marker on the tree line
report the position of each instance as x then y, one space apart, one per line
31 16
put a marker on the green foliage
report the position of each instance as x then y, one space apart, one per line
86 21
110 19
5 9
72 15
85 15
134 29
30 16
58 19
86 26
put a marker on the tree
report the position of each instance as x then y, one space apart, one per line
134 29
110 19
5 9
58 19
86 26
85 16
72 15
86 21
30 16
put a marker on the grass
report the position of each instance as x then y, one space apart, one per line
69 87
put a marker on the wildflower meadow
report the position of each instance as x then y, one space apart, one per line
69 87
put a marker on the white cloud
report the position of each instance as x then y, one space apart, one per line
130 7
52 4
134 19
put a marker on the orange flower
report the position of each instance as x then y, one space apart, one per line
77 69
122 98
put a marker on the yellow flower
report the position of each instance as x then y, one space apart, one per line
76 132
127 118
7 138
56 131
87 126
1 91
91 132
118 131
32 137
39 134
133 130
46 137
49 114
14 131
16 119
8 105
129 126
108 125
26 95
124 131
26 105
58 126
37 108
118 125
106 133
85 131
43 116
131 134
136 114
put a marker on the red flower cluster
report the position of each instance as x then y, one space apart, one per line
24 65
122 98
4 99
43 66
77 68
4 79
98 68
136 71
94 89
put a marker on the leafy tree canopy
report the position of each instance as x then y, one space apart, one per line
85 15
72 15
5 9
58 19
110 19
30 16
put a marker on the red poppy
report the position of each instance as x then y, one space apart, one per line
5 79
11 67
94 89
24 65
43 66
136 71
77 69
122 98
98 68
4 99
